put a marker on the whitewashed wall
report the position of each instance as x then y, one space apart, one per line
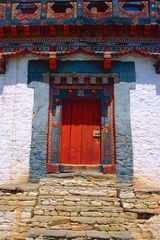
16 104
145 121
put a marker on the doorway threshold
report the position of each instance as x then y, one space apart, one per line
66 168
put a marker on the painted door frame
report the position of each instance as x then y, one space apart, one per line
106 95
124 80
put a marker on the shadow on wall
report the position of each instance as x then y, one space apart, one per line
17 72
145 70
158 88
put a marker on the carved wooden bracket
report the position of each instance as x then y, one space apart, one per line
107 60
53 60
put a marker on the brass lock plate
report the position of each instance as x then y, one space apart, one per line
96 133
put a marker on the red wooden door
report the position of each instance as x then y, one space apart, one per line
80 117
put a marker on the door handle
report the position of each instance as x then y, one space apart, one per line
96 133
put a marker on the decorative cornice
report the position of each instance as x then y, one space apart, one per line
79 12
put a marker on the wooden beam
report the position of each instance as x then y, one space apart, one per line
52 31
66 30
40 31
147 30
14 31
133 30
2 33
158 30
26 30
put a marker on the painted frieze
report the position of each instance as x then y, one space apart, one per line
134 10
2 10
26 11
57 10
95 10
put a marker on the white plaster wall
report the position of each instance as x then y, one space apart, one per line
16 104
145 121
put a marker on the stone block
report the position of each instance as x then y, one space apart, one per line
54 233
33 233
10 216
129 215
91 214
27 215
69 203
72 198
85 220
128 205
75 234
96 203
97 235
120 236
126 194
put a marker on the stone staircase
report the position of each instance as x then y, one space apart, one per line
84 205
79 206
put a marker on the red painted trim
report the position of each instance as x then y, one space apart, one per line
109 169
37 52
80 99
26 30
110 30
52 168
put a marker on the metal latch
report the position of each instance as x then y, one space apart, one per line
96 133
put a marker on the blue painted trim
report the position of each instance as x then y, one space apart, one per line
126 70
124 154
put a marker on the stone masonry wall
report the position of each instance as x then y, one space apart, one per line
79 206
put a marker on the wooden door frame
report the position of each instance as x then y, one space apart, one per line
108 154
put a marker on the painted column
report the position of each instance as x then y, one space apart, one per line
124 155
39 80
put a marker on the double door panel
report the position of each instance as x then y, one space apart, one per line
80 133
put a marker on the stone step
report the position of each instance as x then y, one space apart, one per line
66 168
77 201
62 220
88 191
78 209
79 179
61 234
